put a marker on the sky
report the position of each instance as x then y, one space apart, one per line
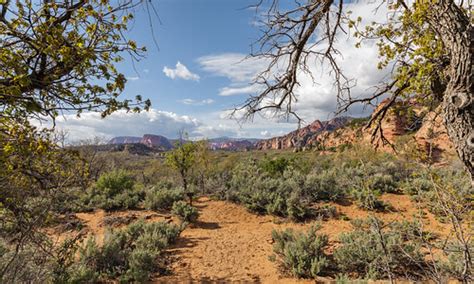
194 73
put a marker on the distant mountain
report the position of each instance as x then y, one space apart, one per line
304 136
125 140
156 141
150 140
232 144
162 143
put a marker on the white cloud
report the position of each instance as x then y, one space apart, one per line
235 66
122 123
265 133
315 99
181 71
232 91
133 78
197 102
318 99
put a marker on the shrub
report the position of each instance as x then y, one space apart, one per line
326 211
262 193
28 265
367 199
454 265
297 210
162 197
325 185
373 251
275 166
115 190
129 255
115 182
455 186
300 254
185 212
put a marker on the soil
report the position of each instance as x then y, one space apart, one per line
229 243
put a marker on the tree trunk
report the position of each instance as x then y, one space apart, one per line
455 30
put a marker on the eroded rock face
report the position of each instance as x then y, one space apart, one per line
156 141
304 136
433 133
229 145
430 135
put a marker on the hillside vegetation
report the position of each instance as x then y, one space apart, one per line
307 188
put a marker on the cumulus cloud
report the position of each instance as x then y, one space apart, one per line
197 102
235 66
122 123
317 99
133 78
232 91
316 95
181 71
265 133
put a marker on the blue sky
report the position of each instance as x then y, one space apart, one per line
197 74
189 30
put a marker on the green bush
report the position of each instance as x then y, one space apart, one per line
456 182
114 191
162 197
300 254
373 250
276 166
128 255
263 193
325 185
185 212
368 199
454 264
27 265
326 211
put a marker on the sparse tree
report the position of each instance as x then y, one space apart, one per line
428 43
203 163
55 56
183 159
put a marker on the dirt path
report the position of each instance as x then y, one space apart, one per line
231 244
228 244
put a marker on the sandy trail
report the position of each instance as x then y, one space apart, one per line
230 244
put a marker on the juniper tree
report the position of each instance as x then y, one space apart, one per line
429 43
55 56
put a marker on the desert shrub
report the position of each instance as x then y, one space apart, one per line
263 193
115 190
326 211
73 199
298 210
129 255
185 212
28 265
417 184
368 199
376 251
452 184
325 185
382 182
218 184
276 166
162 196
454 264
300 254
